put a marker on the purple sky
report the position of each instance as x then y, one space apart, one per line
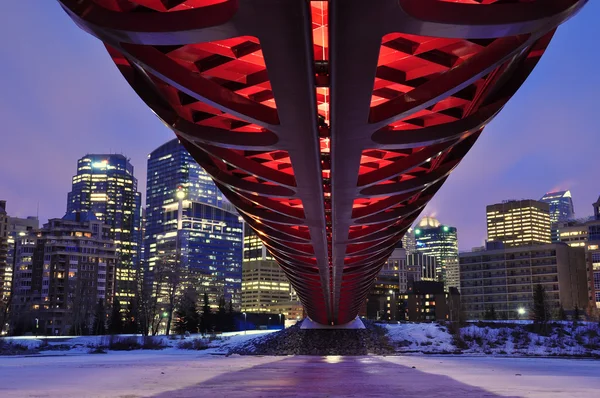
61 97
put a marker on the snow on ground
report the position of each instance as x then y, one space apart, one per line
189 374
421 337
220 343
491 338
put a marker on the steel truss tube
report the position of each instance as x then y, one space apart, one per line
329 144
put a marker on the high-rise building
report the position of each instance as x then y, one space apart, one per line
62 272
439 241
17 227
561 210
265 287
5 269
505 279
254 248
519 223
409 243
105 185
585 234
561 205
422 266
198 233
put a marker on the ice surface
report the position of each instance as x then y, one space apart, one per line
190 374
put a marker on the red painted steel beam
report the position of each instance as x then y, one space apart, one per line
328 124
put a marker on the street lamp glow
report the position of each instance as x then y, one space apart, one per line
180 195
521 311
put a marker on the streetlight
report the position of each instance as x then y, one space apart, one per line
37 326
245 326
521 311
269 323
279 319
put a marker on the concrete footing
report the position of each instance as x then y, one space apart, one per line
308 323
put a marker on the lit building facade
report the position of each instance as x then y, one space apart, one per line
519 223
265 287
5 268
203 242
505 279
62 271
585 234
409 243
105 186
439 241
561 205
17 228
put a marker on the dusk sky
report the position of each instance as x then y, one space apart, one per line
62 97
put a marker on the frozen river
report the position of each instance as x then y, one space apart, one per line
190 374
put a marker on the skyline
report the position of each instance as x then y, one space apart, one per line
95 99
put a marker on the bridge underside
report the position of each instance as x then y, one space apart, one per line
328 124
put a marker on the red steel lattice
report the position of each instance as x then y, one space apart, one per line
328 124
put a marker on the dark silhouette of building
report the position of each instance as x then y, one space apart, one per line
428 301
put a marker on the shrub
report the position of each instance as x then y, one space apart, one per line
153 343
195 344
123 343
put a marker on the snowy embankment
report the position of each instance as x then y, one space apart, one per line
558 339
213 344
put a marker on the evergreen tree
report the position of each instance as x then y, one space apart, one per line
116 319
230 318
187 317
99 326
131 325
221 321
562 315
206 320
541 313
575 315
490 314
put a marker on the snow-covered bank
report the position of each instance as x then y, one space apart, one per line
560 339
220 343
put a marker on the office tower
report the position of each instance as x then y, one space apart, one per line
62 272
17 228
439 241
190 228
409 243
391 280
505 279
586 234
105 185
561 209
453 273
561 205
254 248
265 287
5 268
425 267
519 223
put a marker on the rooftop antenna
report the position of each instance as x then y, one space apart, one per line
37 215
